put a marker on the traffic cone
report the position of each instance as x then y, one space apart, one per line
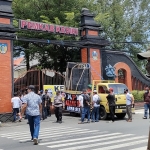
148 145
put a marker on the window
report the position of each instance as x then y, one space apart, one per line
102 89
118 88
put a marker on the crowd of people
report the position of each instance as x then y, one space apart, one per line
85 105
36 107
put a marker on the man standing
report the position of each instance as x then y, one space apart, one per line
47 100
129 102
58 104
33 107
111 102
81 103
96 106
16 104
146 103
86 107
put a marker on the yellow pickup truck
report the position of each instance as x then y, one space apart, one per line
102 87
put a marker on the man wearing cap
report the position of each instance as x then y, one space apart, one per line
33 107
129 102
96 106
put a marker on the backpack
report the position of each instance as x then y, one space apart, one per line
86 100
98 101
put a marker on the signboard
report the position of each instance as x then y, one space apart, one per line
3 48
52 90
51 28
72 102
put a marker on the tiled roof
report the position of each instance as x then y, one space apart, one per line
18 61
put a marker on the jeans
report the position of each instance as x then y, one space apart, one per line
48 111
44 112
34 123
146 108
129 111
85 110
112 112
15 113
95 113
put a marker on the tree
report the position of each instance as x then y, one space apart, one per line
48 11
125 24
125 21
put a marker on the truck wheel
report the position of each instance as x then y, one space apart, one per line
103 114
73 114
121 115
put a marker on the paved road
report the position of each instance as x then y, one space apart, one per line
70 135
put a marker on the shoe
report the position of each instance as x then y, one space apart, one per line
88 121
97 121
144 117
35 140
81 123
110 121
60 121
93 121
129 121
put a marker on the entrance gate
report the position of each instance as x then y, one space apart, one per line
92 52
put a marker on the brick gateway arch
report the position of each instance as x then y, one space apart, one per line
92 52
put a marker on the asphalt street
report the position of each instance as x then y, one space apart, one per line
70 135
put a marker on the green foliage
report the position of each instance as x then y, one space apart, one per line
138 95
122 21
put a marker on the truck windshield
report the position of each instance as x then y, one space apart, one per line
118 88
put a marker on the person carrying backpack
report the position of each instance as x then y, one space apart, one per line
86 107
96 107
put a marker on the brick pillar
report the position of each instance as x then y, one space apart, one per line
90 38
6 58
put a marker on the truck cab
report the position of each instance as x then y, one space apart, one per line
102 88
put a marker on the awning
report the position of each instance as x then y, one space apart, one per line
144 55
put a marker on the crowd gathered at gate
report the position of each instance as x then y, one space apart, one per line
36 107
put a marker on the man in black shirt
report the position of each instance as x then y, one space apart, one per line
111 102
48 103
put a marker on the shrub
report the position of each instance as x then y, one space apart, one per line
138 95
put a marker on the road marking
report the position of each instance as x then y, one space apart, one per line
58 133
105 143
122 145
45 129
141 148
140 111
45 132
89 141
79 139
67 134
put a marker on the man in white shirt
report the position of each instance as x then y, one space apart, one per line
96 107
81 103
129 102
16 104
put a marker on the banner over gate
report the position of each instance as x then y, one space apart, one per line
38 26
